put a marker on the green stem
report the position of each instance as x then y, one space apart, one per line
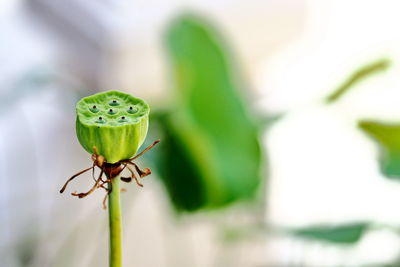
115 223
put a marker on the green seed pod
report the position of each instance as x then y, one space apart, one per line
106 121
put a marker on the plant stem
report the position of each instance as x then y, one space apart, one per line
115 223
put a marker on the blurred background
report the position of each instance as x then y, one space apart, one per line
279 124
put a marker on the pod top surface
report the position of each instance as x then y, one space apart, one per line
111 109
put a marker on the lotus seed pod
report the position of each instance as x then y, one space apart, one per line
115 123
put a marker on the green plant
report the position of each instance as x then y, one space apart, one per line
211 155
113 122
112 126
358 76
385 134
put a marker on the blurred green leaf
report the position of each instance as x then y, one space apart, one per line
387 136
341 234
361 74
211 153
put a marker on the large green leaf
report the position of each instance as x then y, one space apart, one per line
211 152
387 136
341 234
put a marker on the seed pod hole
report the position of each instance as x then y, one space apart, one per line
111 111
123 119
100 120
114 103
132 110
94 109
